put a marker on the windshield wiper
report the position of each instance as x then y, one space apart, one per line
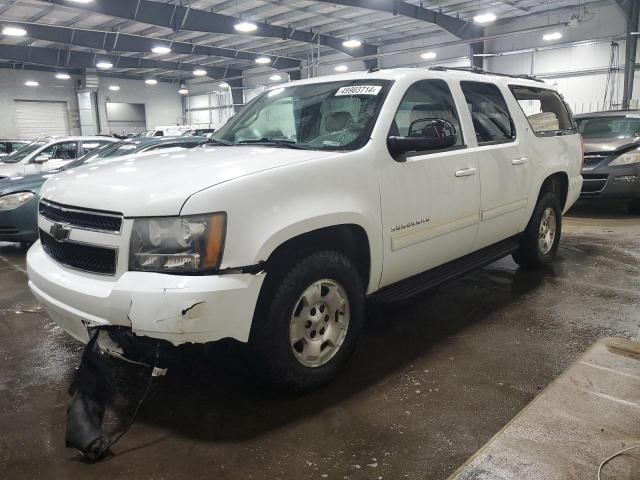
280 142
218 142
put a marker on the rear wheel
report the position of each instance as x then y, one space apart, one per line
307 329
541 238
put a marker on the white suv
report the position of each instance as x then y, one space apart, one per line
320 193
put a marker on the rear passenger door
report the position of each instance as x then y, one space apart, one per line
504 170
430 199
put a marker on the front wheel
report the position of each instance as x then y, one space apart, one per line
306 331
541 238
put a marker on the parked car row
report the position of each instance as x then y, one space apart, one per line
19 193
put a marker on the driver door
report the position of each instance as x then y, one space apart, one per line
430 199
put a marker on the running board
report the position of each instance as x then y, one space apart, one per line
421 282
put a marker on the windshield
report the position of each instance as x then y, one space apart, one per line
609 127
22 153
327 116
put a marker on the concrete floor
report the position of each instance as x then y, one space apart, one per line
431 382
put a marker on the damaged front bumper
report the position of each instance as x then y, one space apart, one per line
178 309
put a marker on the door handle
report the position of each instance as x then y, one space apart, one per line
466 172
519 161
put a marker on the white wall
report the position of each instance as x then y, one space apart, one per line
51 89
162 101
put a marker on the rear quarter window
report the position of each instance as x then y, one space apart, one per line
545 110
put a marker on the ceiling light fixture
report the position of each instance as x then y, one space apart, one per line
263 60
80 1
183 91
552 36
341 68
245 27
14 31
199 72
223 85
63 76
114 88
151 81
104 65
353 43
275 78
161 49
428 55
484 18
31 83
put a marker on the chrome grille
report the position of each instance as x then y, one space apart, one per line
77 217
591 159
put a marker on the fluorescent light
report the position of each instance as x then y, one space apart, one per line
263 60
275 78
245 27
199 72
104 65
14 31
63 76
151 81
485 18
80 1
223 85
429 55
353 43
341 68
552 36
31 83
114 88
161 49
183 91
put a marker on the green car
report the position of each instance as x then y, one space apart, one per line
19 195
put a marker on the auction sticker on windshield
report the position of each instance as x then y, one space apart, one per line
359 90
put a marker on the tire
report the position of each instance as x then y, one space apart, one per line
292 309
534 251
634 207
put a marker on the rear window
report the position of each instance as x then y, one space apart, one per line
545 110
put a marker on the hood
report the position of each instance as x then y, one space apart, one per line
159 184
30 183
608 145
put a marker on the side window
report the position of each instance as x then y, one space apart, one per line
3 148
425 101
65 151
491 118
545 110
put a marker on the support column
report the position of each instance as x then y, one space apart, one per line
477 48
237 94
630 52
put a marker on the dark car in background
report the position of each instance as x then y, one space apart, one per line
19 195
10 146
611 156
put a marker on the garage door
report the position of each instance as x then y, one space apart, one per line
41 119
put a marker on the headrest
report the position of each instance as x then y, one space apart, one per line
337 121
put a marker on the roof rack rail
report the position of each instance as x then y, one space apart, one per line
480 71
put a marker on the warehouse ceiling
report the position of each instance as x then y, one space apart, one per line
78 34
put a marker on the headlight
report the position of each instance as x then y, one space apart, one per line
14 200
627 158
191 244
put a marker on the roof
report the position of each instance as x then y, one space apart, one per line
608 113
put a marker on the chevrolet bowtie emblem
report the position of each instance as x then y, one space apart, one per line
60 231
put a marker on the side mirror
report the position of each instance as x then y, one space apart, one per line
41 159
424 134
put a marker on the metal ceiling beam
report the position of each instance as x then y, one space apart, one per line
179 18
123 42
460 28
53 57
